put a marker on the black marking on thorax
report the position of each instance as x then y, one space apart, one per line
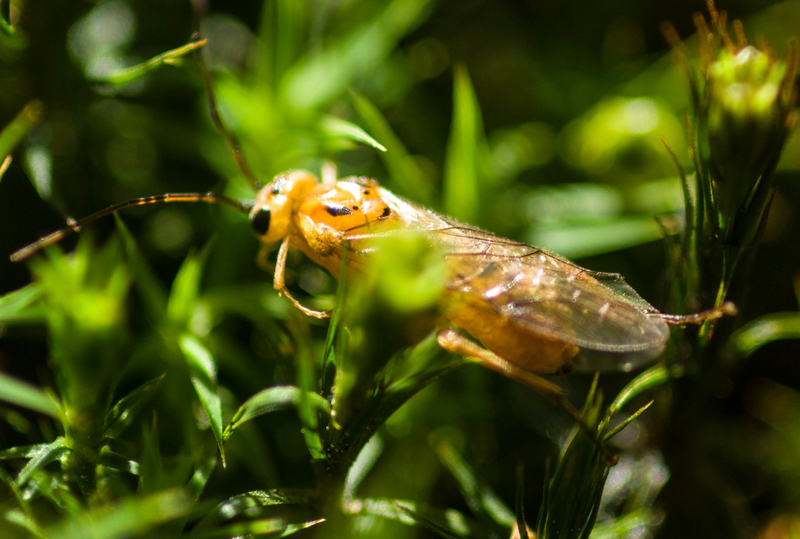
336 211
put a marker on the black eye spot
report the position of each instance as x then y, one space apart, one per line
276 191
336 211
355 208
366 192
260 221
386 212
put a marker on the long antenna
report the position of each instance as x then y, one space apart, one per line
230 138
76 226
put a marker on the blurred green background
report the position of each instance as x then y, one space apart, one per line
575 100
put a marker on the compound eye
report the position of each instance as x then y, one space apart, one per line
260 221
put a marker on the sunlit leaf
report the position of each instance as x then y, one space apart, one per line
274 527
649 379
363 464
126 518
480 498
406 177
130 74
128 407
763 330
145 280
465 152
273 399
23 394
451 522
324 76
204 379
430 524
336 127
185 289
118 462
4 166
576 241
20 305
22 123
246 503
41 457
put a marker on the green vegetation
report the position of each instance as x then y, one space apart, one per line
153 384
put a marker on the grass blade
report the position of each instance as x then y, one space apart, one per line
204 379
407 178
462 174
27 396
22 123
338 128
42 457
128 518
129 406
130 74
273 399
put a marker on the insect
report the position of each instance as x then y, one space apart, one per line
531 310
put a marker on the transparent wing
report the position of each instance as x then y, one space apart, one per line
539 290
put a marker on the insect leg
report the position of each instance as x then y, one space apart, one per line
726 309
452 341
280 285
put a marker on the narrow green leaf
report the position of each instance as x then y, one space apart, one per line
283 31
768 328
22 123
41 458
129 406
336 127
275 527
118 462
480 498
407 178
334 346
25 521
364 462
149 287
20 305
248 503
601 236
152 474
307 380
55 488
613 432
462 169
429 524
22 451
200 478
4 166
273 399
185 288
18 494
128 517
130 74
195 488
28 396
652 377
322 77
574 490
204 379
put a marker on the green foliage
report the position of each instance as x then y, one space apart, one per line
160 410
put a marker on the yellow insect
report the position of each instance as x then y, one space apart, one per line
531 310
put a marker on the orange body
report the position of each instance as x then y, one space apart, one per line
530 307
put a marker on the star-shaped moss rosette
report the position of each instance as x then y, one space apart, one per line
743 114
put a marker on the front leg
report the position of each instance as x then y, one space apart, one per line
279 284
